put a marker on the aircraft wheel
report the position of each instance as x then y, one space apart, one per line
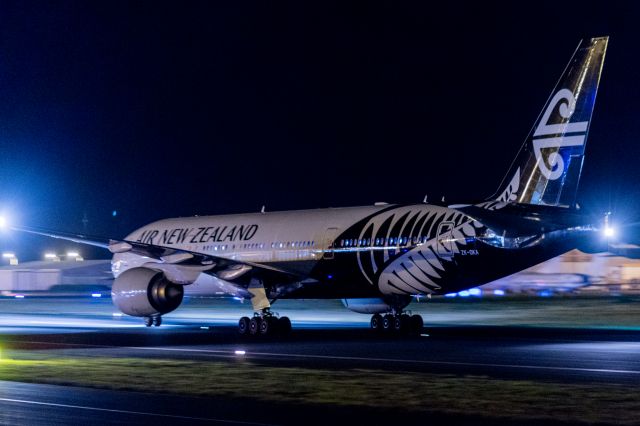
406 322
387 322
284 325
416 324
148 321
254 325
376 322
243 325
400 323
268 326
157 321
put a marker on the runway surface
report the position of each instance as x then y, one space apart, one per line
335 340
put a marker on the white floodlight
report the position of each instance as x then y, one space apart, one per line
609 232
73 254
8 255
50 256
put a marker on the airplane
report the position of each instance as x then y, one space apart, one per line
375 258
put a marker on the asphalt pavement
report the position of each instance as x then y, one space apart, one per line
83 327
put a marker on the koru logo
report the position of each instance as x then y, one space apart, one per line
567 102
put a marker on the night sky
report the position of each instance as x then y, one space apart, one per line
156 109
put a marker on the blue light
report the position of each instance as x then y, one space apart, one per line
475 292
498 292
450 295
329 276
545 293
463 293
96 295
114 213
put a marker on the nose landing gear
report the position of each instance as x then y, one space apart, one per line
154 320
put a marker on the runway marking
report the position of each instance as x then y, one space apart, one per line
142 413
395 360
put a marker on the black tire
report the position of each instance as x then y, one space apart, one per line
243 326
157 321
268 326
406 323
416 324
284 325
399 324
376 322
148 321
387 322
254 325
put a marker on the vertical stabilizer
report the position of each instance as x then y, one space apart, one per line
547 168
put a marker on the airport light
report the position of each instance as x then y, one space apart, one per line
51 257
10 257
74 255
609 231
475 292
3 222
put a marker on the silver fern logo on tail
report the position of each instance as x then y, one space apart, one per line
565 102
549 163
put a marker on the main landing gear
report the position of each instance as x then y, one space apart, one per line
398 323
154 320
264 323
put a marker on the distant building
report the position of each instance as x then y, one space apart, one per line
576 271
68 275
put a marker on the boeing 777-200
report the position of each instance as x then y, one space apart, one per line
376 258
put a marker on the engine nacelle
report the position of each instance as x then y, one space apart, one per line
143 292
376 305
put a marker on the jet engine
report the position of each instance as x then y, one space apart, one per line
143 292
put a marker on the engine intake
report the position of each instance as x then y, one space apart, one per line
143 292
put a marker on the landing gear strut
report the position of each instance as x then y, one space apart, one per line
397 322
264 323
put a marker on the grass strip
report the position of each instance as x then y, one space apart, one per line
412 392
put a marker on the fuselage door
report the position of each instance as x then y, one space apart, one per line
445 240
328 242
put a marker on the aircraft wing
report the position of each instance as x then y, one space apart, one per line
180 266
